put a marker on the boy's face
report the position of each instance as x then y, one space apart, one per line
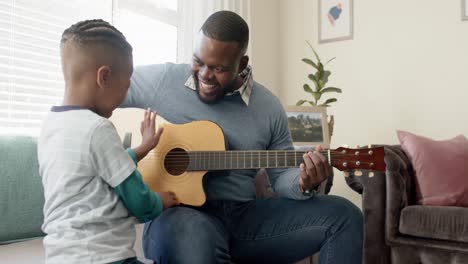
117 83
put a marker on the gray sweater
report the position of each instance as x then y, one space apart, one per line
261 125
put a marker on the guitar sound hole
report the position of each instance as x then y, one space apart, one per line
176 161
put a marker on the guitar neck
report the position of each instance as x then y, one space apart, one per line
232 160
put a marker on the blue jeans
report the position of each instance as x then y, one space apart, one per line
273 230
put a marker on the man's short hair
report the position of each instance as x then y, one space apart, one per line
94 32
227 26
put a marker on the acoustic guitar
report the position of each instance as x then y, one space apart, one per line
182 157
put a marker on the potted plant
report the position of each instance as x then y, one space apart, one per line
319 78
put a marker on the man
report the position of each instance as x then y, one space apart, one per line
233 225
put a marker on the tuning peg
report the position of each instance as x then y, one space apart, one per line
371 174
358 173
345 146
357 146
345 173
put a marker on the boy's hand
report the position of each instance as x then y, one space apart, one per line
168 199
150 137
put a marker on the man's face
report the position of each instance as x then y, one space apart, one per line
215 68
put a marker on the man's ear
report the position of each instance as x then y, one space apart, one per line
103 76
244 61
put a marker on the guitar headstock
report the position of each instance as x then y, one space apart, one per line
360 158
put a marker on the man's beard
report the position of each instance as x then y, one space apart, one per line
229 88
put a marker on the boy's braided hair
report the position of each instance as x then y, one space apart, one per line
96 31
227 26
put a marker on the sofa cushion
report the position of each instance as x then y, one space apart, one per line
441 168
32 251
21 192
436 222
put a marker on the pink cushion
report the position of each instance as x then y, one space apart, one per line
441 168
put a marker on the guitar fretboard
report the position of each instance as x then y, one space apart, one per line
229 160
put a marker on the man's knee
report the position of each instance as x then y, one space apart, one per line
348 212
171 231
181 234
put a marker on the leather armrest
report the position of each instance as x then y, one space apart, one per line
400 189
383 196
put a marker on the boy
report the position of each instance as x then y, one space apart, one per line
91 186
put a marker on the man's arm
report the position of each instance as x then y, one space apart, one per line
292 182
285 182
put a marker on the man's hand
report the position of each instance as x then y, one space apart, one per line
314 170
168 199
150 138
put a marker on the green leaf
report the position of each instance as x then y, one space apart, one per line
318 76
331 89
312 77
310 62
320 73
311 103
320 67
329 61
313 50
300 102
331 100
321 84
316 95
325 76
307 88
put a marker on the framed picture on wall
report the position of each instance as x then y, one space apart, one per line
464 9
308 126
335 20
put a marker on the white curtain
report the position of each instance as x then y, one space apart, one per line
192 14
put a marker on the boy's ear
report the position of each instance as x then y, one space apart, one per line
103 76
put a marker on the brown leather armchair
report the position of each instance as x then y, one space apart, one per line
399 231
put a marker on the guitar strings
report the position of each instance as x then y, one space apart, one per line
261 151
229 157
334 157
250 153
249 164
264 157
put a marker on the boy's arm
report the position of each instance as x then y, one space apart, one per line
114 165
139 200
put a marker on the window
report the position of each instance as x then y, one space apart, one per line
151 28
30 72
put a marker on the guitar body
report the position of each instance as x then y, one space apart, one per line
187 185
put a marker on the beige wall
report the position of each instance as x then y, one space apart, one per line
265 43
406 68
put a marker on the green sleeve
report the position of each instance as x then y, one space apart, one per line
139 200
132 154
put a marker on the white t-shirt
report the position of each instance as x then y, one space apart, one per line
80 160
